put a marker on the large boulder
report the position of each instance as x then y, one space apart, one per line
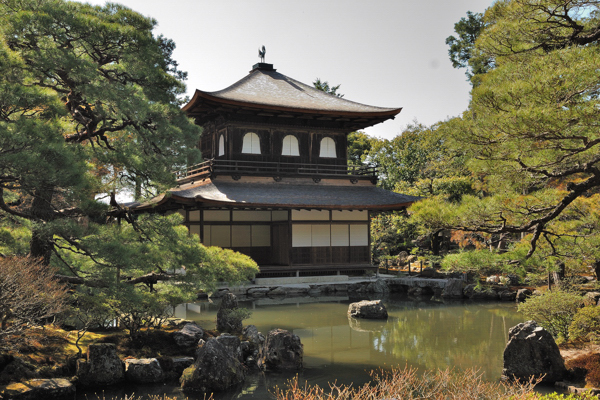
253 336
282 350
232 344
37 389
103 366
531 352
368 309
251 346
214 370
227 320
189 335
143 370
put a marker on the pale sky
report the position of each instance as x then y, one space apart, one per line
387 53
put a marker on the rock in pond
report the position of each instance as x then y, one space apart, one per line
253 336
282 350
532 352
37 389
232 344
143 370
189 335
103 366
214 370
368 309
227 320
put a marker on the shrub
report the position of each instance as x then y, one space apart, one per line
28 295
591 362
407 384
586 324
553 310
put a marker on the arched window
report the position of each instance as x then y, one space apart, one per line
251 143
221 145
327 148
290 146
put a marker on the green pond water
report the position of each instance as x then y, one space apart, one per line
421 334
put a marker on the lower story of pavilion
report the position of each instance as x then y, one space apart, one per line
293 241
302 227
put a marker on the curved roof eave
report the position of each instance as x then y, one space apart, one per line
199 95
387 207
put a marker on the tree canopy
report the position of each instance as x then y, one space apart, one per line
89 102
462 50
531 131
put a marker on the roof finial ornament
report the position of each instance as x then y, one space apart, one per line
261 54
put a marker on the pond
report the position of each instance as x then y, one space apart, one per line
421 334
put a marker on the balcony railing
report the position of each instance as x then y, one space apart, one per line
274 169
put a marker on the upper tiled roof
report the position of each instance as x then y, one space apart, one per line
268 88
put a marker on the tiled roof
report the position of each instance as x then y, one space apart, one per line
286 195
268 88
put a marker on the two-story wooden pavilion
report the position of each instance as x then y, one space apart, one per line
276 184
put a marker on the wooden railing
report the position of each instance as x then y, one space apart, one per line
275 169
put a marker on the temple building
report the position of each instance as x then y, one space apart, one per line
275 183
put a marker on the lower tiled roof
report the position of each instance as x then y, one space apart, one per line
286 195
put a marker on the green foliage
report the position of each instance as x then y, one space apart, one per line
462 50
419 162
481 261
529 137
359 147
391 233
89 104
324 87
553 310
586 324
170 264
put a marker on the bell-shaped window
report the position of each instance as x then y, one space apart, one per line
251 143
290 146
327 148
221 145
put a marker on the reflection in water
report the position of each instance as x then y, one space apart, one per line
422 334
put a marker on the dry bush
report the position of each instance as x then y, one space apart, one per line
591 362
408 384
28 294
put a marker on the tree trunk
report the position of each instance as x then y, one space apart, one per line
436 241
596 267
41 208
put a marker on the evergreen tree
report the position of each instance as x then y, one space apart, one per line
531 133
88 95
462 50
